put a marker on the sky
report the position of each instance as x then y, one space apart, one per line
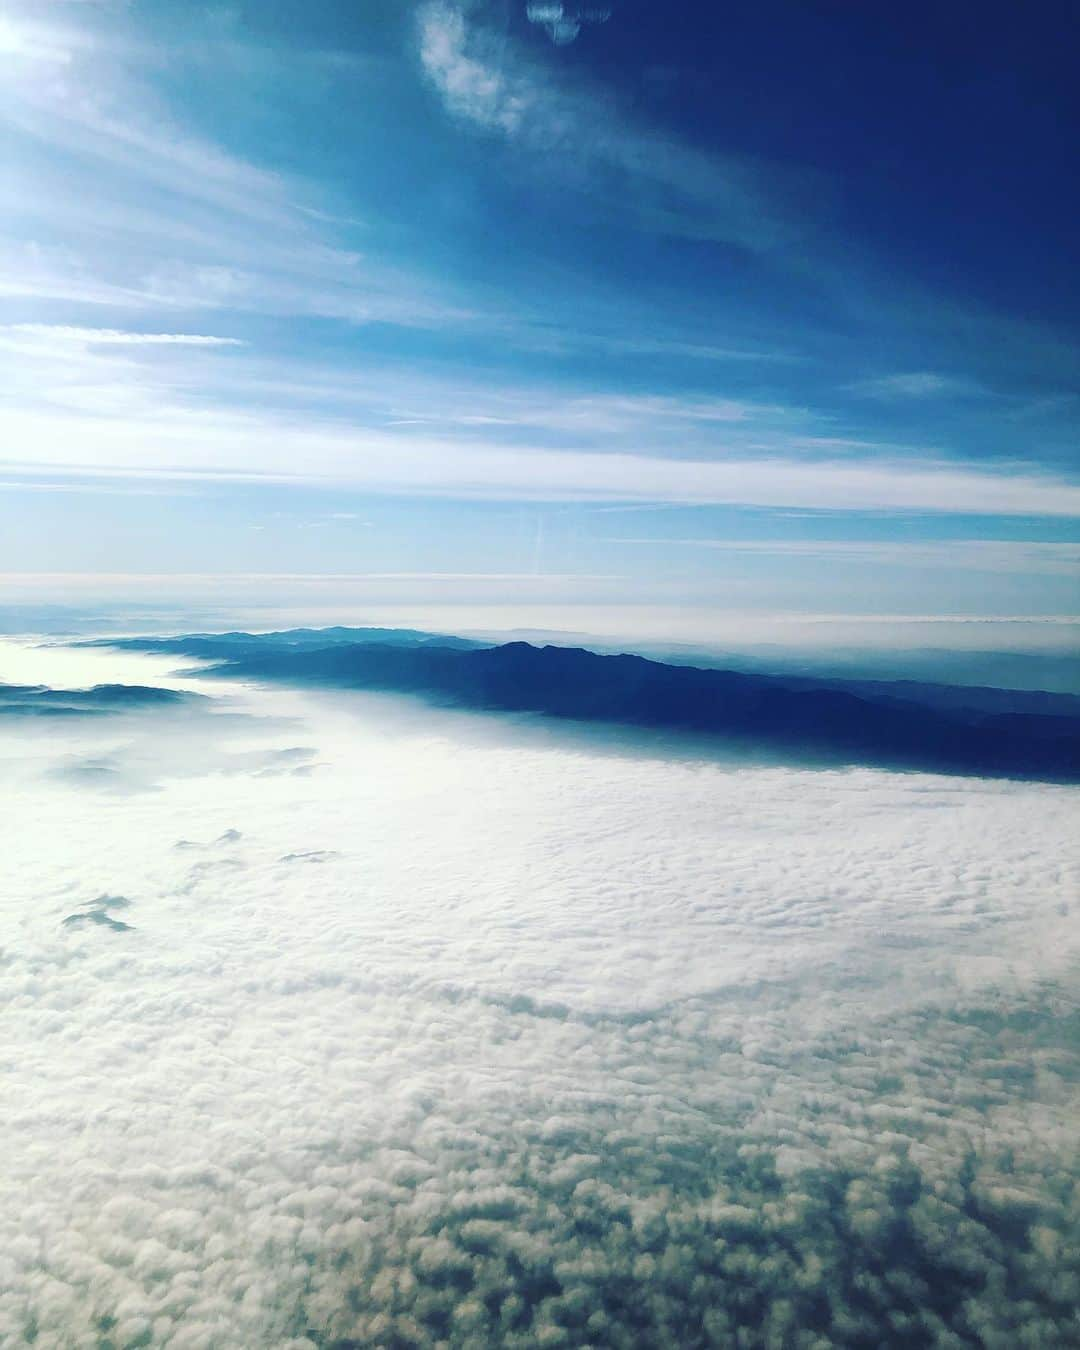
768 307
333 1020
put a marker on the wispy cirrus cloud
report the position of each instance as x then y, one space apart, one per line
563 23
916 384
156 216
65 335
226 444
209 408
580 133
1037 557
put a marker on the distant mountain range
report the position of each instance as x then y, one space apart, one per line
230 646
38 700
908 725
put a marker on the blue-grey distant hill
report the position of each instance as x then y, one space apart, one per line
38 700
905 724
230 646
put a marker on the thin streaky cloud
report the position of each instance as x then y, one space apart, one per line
984 555
255 449
64 334
226 233
84 408
917 384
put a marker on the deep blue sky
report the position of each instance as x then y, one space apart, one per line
433 294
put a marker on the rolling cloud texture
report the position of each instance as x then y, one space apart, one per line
401 1026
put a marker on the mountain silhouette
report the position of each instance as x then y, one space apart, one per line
227 646
981 732
38 700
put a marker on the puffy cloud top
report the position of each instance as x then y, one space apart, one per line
440 1034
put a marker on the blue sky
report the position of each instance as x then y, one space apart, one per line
768 306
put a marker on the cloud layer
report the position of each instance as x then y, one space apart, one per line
128 403
478 1035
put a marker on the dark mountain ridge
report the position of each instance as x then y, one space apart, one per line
821 721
